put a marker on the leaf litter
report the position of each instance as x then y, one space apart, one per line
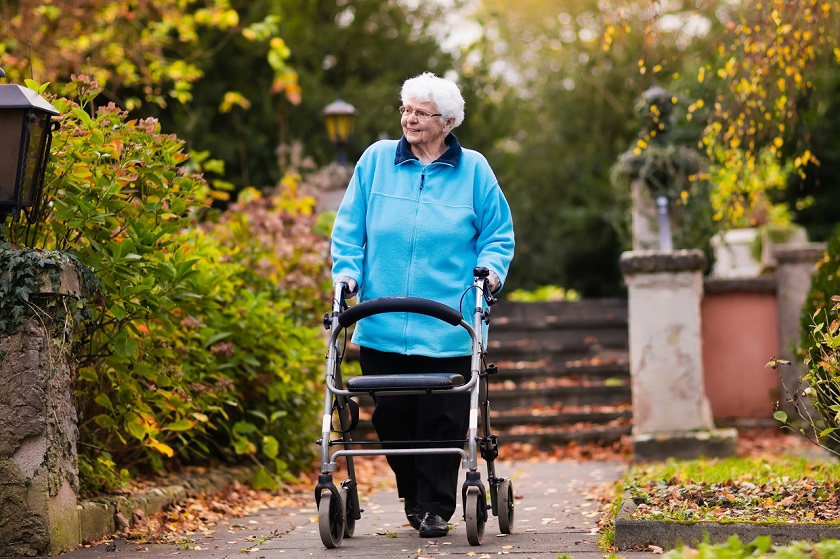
753 497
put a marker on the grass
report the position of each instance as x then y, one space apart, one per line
744 489
777 489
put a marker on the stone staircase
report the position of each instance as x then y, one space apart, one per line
563 373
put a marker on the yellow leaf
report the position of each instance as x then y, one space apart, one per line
160 447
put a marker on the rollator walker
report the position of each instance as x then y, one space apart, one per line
338 506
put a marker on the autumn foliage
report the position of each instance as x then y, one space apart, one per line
204 342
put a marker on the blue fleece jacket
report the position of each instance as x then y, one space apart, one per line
404 229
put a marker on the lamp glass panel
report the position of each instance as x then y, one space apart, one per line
345 127
34 152
332 128
11 123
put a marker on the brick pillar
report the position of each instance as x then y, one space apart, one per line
38 428
671 413
795 264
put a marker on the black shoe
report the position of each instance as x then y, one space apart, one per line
413 514
433 526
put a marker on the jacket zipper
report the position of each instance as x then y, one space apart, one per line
413 243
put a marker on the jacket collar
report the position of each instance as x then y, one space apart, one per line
451 157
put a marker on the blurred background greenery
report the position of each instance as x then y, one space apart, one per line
551 87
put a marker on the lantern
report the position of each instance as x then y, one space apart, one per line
340 118
26 128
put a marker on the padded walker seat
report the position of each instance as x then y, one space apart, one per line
424 381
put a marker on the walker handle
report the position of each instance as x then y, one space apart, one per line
400 304
482 274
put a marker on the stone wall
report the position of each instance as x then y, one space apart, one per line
38 433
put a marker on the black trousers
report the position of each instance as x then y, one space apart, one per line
432 479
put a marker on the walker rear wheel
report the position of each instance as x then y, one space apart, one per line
349 521
475 508
331 520
505 506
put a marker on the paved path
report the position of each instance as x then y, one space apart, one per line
553 518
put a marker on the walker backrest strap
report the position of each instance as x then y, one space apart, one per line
399 304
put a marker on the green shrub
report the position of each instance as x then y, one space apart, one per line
204 339
824 284
756 549
544 293
817 401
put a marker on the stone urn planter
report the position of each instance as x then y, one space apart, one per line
733 253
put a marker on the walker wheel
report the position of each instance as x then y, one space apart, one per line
475 514
506 504
349 521
331 520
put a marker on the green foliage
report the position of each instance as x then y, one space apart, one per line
759 548
337 49
200 346
818 403
551 113
544 293
821 185
744 188
153 51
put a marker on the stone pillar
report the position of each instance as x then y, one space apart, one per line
795 264
38 430
671 413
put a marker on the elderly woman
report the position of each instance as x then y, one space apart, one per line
419 214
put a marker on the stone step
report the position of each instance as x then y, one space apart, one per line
564 435
599 417
575 340
558 315
563 373
589 367
573 395
601 425
554 357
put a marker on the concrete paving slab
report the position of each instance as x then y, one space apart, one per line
552 518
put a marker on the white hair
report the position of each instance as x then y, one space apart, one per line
443 93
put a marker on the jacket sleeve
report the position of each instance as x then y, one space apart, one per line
349 233
495 237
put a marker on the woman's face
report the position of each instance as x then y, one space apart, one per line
422 132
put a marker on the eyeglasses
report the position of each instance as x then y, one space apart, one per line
421 115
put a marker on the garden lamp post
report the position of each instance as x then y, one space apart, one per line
26 128
340 118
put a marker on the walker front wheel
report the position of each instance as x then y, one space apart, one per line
331 520
475 508
506 504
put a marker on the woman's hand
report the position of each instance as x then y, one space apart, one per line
494 281
351 286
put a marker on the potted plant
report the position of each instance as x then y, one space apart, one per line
749 221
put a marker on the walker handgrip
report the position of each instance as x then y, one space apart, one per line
399 304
